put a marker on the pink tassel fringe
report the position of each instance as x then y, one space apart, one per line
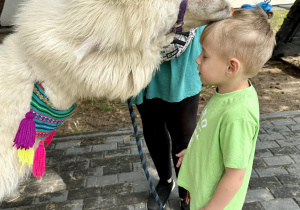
38 167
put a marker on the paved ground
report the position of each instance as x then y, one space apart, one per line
103 171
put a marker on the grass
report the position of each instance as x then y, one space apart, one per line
102 104
277 20
106 106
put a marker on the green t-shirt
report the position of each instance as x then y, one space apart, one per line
224 137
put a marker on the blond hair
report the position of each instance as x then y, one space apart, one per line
247 36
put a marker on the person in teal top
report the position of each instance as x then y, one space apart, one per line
176 79
168 107
217 164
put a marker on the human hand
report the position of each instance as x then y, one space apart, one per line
180 155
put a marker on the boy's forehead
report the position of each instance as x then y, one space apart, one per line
209 43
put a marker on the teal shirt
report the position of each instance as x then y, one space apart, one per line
176 79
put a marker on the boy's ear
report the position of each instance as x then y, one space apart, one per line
233 67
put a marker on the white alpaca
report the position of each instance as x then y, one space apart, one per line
83 48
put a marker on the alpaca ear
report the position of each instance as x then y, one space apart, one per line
85 48
233 67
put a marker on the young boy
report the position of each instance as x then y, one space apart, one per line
218 161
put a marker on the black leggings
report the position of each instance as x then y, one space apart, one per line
162 120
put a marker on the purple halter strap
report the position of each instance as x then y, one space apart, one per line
178 27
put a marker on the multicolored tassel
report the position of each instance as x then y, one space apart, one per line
25 136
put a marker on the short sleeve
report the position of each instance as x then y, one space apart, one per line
237 141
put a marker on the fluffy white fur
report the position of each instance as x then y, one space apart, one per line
83 48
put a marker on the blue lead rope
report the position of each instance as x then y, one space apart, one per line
138 143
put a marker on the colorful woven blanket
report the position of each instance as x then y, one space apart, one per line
41 121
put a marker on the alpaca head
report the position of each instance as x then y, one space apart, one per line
201 12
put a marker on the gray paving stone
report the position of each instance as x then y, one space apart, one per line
104 147
36 207
135 151
27 201
297 119
294 168
278 160
52 197
259 163
93 141
276 129
91 172
101 202
120 188
253 174
129 159
298 147
126 144
101 181
271 171
295 127
288 121
266 144
263 182
286 192
67 144
290 134
132 176
298 200
126 207
90 155
261 153
271 136
290 179
280 204
117 138
69 205
284 150
60 159
296 157
51 176
78 150
75 184
261 131
72 166
39 188
117 152
252 206
84 193
288 142
133 198
285 114
103 162
141 186
266 123
258 195
55 152
125 168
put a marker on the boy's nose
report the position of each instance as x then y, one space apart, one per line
198 60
